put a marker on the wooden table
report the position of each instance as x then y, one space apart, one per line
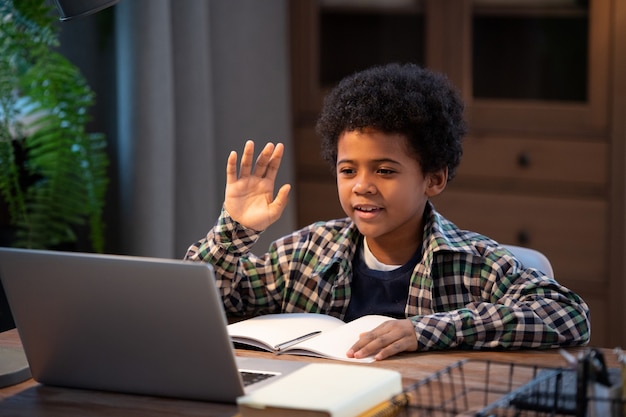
30 398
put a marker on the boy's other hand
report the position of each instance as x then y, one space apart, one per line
388 339
249 197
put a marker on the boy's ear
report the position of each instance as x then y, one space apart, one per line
436 182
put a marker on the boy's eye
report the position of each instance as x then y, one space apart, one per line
385 171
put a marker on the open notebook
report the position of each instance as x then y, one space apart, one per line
127 324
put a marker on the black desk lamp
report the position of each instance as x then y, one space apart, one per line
13 364
72 9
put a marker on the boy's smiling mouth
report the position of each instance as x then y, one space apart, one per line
367 210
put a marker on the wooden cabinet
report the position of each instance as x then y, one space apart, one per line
543 159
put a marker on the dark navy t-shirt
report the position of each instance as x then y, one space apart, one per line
379 292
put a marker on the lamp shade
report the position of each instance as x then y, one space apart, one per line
72 9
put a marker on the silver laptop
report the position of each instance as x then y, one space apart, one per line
127 324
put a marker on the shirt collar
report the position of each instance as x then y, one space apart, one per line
440 234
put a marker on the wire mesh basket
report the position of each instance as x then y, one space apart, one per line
484 388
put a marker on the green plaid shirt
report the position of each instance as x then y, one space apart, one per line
466 292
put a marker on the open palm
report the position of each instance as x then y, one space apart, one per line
249 197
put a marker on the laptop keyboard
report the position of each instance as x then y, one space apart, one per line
250 378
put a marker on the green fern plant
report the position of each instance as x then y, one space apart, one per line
53 175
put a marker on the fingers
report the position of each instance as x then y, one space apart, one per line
271 169
231 168
388 339
247 158
246 163
280 202
269 160
266 165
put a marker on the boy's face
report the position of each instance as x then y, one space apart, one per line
382 187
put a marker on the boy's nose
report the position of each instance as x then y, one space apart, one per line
363 187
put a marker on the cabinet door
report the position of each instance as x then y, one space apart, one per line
540 66
331 39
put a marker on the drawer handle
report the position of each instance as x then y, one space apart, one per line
523 238
523 159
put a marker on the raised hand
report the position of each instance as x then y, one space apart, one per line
249 197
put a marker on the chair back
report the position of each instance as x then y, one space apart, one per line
532 258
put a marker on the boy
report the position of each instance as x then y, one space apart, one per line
393 136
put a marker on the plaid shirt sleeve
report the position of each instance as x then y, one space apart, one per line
482 297
302 272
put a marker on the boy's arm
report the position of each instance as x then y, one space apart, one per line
537 313
249 208
523 310
246 282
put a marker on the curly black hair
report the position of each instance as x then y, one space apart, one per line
398 99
